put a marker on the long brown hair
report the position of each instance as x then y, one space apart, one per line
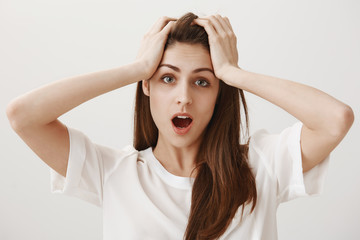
224 181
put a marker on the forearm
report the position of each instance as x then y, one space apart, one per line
316 109
46 104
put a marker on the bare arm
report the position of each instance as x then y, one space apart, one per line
34 115
326 120
45 104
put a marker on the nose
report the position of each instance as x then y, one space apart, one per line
184 95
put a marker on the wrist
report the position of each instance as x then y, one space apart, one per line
232 76
142 69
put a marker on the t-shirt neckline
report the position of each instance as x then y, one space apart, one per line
169 178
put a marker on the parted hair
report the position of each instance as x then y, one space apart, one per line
224 181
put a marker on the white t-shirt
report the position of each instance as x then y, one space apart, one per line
142 200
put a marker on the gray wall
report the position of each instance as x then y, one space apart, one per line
311 42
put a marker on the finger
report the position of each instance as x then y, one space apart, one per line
219 23
205 23
166 30
215 24
160 24
230 35
228 23
222 29
228 38
227 26
225 23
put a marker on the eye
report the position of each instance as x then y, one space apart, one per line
202 83
168 79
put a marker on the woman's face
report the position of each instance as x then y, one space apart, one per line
182 93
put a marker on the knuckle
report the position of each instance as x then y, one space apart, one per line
164 18
216 39
212 17
232 35
223 35
207 21
161 35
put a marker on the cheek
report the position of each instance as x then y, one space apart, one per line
158 97
208 101
158 105
205 107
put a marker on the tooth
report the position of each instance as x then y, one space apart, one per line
183 117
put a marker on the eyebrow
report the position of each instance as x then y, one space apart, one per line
176 69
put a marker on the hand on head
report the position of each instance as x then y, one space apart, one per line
222 40
152 45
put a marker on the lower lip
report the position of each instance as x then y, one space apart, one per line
181 131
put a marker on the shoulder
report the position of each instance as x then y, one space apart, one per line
81 146
264 142
260 148
115 153
261 144
266 149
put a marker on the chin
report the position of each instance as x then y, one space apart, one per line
184 142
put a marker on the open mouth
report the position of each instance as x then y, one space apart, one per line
181 121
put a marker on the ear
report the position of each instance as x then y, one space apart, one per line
146 87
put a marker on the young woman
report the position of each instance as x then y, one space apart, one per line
188 175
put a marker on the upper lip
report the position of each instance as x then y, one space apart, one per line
181 114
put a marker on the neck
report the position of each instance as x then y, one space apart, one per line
179 161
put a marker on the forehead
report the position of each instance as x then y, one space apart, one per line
184 55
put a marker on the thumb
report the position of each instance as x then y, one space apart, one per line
169 26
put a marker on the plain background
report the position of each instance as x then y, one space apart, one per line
311 42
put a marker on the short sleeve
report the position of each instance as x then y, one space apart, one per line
283 160
84 176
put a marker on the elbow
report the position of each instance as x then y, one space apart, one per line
345 119
13 113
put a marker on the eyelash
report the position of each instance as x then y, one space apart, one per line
164 77
197 82
204 81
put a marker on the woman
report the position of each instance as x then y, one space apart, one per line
187 175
